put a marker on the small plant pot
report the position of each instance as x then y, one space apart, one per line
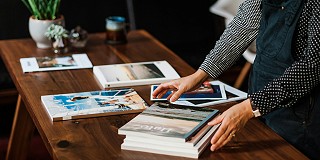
37 28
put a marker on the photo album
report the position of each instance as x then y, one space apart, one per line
133 74
93 104
210 93
74 61
206 91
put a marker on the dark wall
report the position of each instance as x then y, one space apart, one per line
186 27
90 15
13 19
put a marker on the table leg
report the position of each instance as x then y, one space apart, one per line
21 133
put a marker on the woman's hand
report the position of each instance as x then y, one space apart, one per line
180 85
232 120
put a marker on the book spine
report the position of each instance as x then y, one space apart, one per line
195 130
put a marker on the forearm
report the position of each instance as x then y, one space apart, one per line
236 38
200 76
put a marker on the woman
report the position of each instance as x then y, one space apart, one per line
284 81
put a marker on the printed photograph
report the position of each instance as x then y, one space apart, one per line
160 126
131 72
46 62
205 92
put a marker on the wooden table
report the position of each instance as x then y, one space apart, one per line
97 138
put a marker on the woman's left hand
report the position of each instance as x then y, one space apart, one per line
232 120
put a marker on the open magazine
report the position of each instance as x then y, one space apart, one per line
93 104
51 63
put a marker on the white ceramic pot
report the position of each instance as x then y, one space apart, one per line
37 28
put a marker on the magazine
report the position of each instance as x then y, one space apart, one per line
169 122
232 94
74 61
132 74
93 104
207 91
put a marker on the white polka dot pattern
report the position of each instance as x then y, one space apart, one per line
237 36
298 80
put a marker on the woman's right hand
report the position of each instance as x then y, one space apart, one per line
181 85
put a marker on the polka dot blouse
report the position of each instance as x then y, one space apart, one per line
297 81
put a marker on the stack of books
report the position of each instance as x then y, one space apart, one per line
170 129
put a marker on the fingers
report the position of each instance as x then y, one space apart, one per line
231 120
175 95
159 90
216 120
224 133
223 140
221 137
219 134
162 90
162 93
174 86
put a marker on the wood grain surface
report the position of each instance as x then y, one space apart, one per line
97 138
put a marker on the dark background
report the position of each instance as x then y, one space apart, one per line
185 27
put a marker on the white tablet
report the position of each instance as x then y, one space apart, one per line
232 94
207 91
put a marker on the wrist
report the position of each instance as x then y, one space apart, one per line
200 75
248 108
255 109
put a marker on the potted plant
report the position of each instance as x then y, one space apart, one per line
44 13
59 37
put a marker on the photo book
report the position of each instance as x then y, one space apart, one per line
170 129
93 104
74 61
132 74
206 91
232 94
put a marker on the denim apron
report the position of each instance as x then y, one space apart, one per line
300 124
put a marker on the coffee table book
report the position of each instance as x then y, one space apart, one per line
52 63
174 129
93 104
132 74
190 149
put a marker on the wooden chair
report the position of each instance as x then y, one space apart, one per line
228 9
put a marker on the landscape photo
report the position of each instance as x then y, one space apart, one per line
131 72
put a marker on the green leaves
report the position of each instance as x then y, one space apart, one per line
56 32
43 9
